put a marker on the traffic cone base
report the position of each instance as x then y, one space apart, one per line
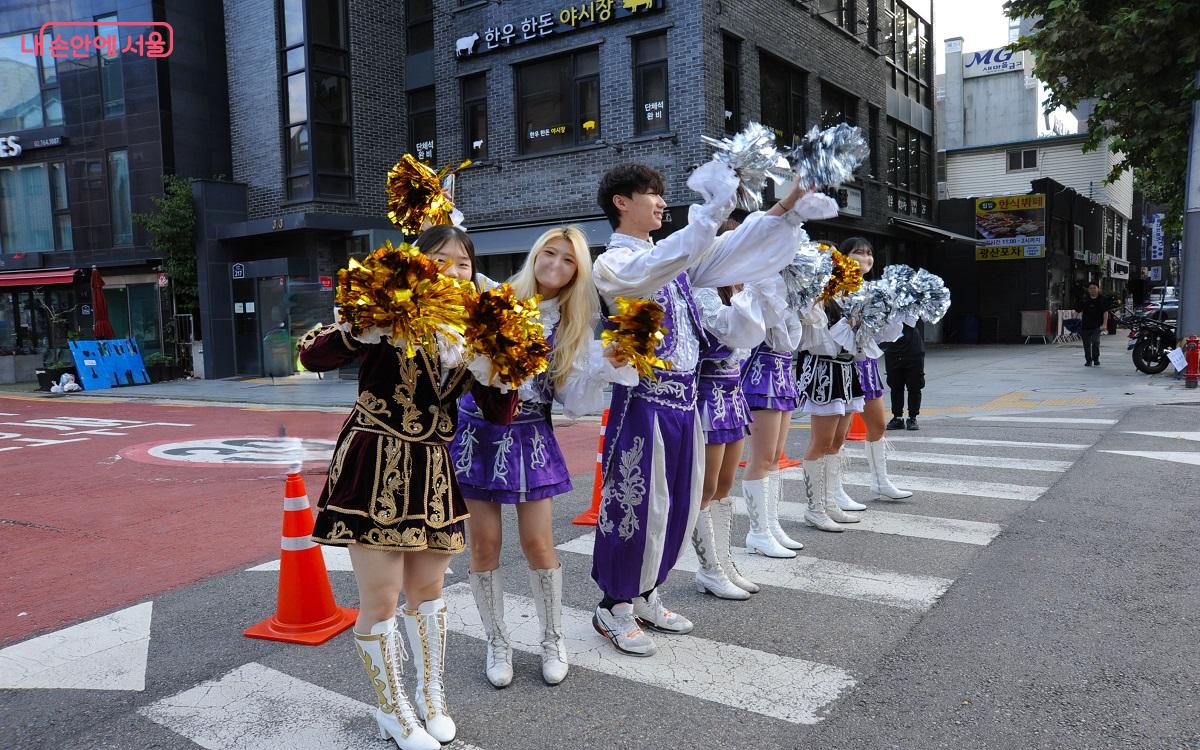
305 610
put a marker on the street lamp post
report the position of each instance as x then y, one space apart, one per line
1189 299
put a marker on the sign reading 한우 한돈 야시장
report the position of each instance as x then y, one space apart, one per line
1010 227
567 18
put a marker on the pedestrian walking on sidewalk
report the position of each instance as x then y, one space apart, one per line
905 361
1095 318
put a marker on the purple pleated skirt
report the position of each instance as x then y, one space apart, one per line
868 375
724 413
508 464
769 380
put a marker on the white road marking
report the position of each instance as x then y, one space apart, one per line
997 443
955 459
1179 457
107 653
1172 435
943 486
902 524
1046 420
816 576
773 685
259 708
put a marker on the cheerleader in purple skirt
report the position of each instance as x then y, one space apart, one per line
874 415
522 464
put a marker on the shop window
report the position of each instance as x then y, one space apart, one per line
1022 159
422 124
558 102
474 109
26 210
650 101
837 106
783 90
119 198
838 12
29 97
112 78
732 51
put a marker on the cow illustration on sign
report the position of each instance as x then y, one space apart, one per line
465 45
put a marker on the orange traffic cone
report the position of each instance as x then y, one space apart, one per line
858 428
787 463
592 514
305 612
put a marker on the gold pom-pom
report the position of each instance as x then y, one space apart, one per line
847 276
508 331
402 291
638 333
415 197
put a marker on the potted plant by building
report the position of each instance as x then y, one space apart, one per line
158 365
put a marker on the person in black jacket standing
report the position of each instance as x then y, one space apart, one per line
905 361
1095 317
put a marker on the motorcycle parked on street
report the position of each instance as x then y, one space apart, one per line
1150 340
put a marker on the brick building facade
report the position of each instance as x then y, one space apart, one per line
544 96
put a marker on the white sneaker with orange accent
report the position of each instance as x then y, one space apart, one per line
652 613
619 626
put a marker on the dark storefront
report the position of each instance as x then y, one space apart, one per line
92 115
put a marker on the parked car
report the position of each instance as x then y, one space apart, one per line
1165 311
1164 294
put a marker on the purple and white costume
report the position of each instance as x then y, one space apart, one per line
867 371
651 497
769 375
732 329
522 461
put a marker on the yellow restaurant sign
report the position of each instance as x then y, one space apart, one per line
1010 252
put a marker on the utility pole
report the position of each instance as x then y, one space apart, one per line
1189 299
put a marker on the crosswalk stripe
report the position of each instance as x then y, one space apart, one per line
980 441
336 558
955 459
1172 435
781 687
902 524
940 485
258 708
1046 420
1179 457
816 576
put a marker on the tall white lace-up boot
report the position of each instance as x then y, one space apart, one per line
489 600
711 576
722 521
382 654
844 501
814 489
760 539
547 598
426 629
881 483
833 478
774 496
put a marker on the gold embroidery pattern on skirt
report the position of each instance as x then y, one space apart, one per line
411 537
339 531
392 470
437 509
339 458
450 541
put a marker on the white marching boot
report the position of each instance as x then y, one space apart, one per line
833 479
711 576
547 598
814 489
489 600
426 629
774 496
722 519
760 539
881 483
382 654
844 501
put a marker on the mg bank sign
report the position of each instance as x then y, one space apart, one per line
992 61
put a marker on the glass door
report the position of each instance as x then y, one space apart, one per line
273 329
245 328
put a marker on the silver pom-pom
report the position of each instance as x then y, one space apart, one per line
933 298
896 279
827 158
752 154
806 276
872 306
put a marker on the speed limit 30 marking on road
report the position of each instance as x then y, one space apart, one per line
244 451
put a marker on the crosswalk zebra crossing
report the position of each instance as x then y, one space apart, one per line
984 478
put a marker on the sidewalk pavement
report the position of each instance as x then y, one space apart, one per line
959 379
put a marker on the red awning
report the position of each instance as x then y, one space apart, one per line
38 278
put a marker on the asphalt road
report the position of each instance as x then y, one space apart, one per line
1039 592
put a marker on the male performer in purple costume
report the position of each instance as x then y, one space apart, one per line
650 501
